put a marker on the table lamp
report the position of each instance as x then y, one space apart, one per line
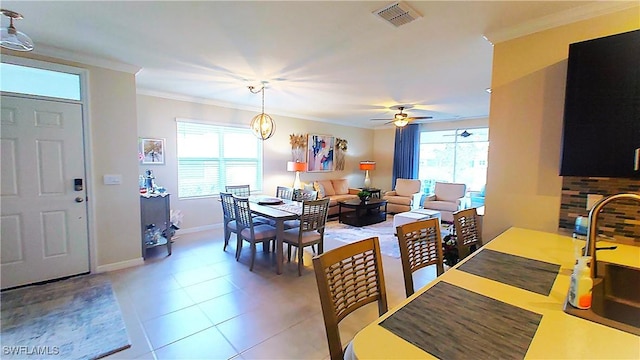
366 166
297 167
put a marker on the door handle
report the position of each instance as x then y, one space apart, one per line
636 160
79 199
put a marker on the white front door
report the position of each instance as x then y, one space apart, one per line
44 216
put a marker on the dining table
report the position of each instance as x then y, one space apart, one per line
505 301
279 211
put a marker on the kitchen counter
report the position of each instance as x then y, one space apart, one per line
558 334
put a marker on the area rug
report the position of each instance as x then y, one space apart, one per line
76 318
349 234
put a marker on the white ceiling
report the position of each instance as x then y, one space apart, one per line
331 61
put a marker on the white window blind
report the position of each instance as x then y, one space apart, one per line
212 156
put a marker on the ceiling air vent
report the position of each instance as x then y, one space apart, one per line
398 13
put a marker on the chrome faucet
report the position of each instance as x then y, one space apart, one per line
592 231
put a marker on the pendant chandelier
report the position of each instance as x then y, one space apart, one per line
262 125
10 38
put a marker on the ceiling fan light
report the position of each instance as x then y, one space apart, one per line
401 122
12 39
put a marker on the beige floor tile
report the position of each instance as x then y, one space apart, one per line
230 305
195 276
177 325
206 344
209 289
150 306
305 340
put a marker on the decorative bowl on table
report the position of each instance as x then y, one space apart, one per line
364 195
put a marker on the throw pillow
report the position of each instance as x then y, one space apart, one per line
341 186
320 189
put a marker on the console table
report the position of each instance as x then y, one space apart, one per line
154 214
368 212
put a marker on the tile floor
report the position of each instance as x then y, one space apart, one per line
199 303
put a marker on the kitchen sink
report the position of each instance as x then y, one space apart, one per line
615 298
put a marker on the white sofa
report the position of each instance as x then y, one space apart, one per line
405 196
447 198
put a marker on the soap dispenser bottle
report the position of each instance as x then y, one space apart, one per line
581 284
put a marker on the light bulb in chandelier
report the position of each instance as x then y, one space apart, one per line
262 125
10 38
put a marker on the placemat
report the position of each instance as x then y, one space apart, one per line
528 274
450 322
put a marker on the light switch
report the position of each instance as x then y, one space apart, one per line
112 179
592 199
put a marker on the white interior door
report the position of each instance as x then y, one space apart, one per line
44 217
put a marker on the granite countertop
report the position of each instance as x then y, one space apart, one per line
557 335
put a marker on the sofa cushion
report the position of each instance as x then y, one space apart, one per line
449 191
407 187
400 200
320 189
441 205
328 187
340 186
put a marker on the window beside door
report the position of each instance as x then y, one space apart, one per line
458 155
212 156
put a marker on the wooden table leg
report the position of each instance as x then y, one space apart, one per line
279 236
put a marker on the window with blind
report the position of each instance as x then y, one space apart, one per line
212 156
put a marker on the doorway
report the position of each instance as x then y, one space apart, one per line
44 214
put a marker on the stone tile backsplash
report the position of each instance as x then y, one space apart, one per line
619 218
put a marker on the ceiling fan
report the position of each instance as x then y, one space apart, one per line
402 119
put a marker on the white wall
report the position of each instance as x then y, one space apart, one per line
525 124
156 118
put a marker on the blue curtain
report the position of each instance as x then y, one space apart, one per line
406 155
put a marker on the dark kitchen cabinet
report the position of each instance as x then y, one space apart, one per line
602 108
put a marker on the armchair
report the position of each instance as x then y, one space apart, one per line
448 198
405 197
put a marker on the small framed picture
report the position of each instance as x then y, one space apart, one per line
151 151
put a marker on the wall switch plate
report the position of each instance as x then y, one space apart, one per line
112 179
592 199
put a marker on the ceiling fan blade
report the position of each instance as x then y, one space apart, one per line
381 119
420 117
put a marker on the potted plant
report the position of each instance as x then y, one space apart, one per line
364 195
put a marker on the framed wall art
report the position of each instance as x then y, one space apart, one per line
320 152
151 151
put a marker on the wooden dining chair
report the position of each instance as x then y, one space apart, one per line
229 218
468 232
284 192
420 245
238 190
310 230
348 278
248 231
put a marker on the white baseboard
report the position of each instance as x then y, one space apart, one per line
198 229
120 265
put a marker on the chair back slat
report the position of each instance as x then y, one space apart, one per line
420 245
314 215
283 192
238 190
468 232
228 211
348 278
242 212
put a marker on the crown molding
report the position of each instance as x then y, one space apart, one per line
62 54
598 8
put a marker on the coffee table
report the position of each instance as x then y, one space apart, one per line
368 212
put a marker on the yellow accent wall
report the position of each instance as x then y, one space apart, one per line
525 122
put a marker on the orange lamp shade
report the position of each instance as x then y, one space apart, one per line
296 166
367 165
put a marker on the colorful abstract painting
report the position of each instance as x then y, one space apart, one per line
320 149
